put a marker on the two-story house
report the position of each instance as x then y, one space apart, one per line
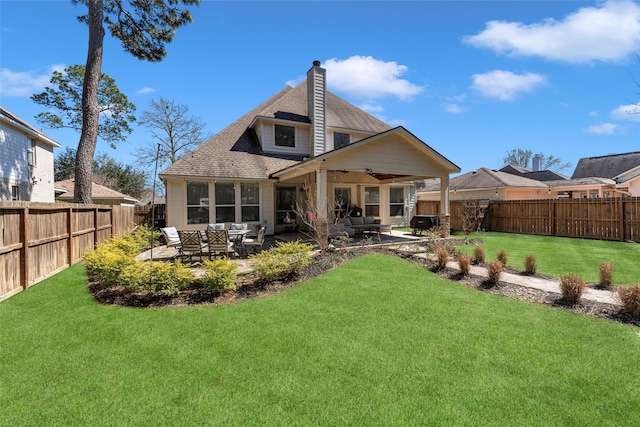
303 146
26 161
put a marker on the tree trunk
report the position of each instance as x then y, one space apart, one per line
90 107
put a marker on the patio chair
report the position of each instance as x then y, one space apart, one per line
192 244
219 243
172 238
257 242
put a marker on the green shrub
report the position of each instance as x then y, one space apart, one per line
571 287
465 264
630 298
494 271
442 257
144 236
606 274
478 255
105 264
502 257
219 275
160 277
281 260
530 264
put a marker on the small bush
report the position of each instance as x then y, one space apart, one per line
571 287
465 264
105 264
281 260
494 272
630 298
502 257
606 274
162 278
478 255
442 257
530 264
219 275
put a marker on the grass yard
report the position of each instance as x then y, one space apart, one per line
558 256
377 341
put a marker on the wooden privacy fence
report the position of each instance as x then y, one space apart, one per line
603 219
41 239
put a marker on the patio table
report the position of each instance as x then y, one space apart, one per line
237 236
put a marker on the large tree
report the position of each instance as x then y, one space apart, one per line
144 27
520 157
172 128
115 115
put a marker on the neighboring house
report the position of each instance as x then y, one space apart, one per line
304 147
623 169
488 184
148 198
26 161
100 195
613 175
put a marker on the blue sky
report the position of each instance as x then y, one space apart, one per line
473 79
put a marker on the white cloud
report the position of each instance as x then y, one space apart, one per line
455 108
369 78
627 112
506 85
25 83
296 82
145 90
603 129
609 32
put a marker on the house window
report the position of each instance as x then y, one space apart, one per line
250 202
340 140
225 202
372 201
31 153
197 202
285 136
396 201
15 192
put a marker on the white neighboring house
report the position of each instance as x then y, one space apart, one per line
26 161
304 143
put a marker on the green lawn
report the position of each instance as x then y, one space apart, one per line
378 341
558 256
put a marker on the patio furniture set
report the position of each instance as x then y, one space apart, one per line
215 240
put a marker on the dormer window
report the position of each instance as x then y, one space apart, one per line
340 140
285 136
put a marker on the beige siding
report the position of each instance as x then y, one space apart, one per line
267 208
303 142
384 156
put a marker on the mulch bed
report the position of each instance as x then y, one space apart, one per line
250 287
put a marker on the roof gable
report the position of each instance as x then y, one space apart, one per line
235 151
608 166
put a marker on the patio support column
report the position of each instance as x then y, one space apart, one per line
321 204
445 213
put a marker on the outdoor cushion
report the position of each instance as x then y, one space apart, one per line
369 220
212 227
171 235
238 227
357 220
346 222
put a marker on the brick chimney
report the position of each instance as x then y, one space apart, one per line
317 111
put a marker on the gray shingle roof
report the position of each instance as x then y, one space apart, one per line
235 151
97 191
486 178
545 175
608 166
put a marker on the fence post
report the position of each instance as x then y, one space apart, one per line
24 238
70 236
622 227
95 227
